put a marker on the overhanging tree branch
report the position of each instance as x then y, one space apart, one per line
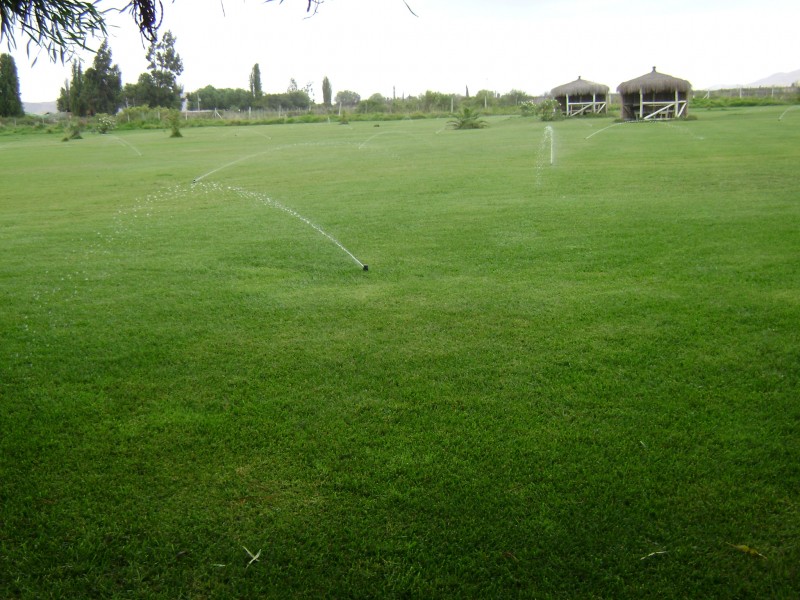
148 15
314 3
60 27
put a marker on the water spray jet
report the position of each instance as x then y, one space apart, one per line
275 204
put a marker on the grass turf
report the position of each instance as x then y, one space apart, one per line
566 380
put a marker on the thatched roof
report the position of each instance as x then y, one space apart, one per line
654 82
579 87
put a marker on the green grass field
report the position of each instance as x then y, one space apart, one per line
567 380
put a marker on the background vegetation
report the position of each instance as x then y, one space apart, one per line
575 379
10 102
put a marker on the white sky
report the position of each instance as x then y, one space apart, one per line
375 46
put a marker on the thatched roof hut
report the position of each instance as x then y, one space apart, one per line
581 96
654 96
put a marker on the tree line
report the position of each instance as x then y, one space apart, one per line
234 99
99 90
210 98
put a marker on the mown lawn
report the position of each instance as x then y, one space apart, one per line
564 380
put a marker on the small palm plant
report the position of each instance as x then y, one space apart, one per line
73 132
467 119
175 123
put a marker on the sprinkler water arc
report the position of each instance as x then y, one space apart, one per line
290 211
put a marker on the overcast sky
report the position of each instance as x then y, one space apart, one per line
378 46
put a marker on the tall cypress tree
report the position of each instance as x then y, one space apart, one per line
77 98
103 83
255 82
327 91
62 103
10 102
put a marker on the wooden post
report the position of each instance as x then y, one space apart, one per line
641 104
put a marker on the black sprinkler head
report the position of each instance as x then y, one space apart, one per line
366 267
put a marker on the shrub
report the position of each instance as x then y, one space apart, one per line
727 101
73 131
528 108
550 110
175 124
105 123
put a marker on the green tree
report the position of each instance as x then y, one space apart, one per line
432 101
165 65
205 98
255 82
140 93
374 104
484 98
226 98
62 103
309 90
77 99
326 91
10 103
513 98
103 83
296 99
347 98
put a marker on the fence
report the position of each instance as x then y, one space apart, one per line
784 93
250 114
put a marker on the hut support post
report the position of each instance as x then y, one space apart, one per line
581 106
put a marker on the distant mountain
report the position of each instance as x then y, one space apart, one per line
39 108
777 79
